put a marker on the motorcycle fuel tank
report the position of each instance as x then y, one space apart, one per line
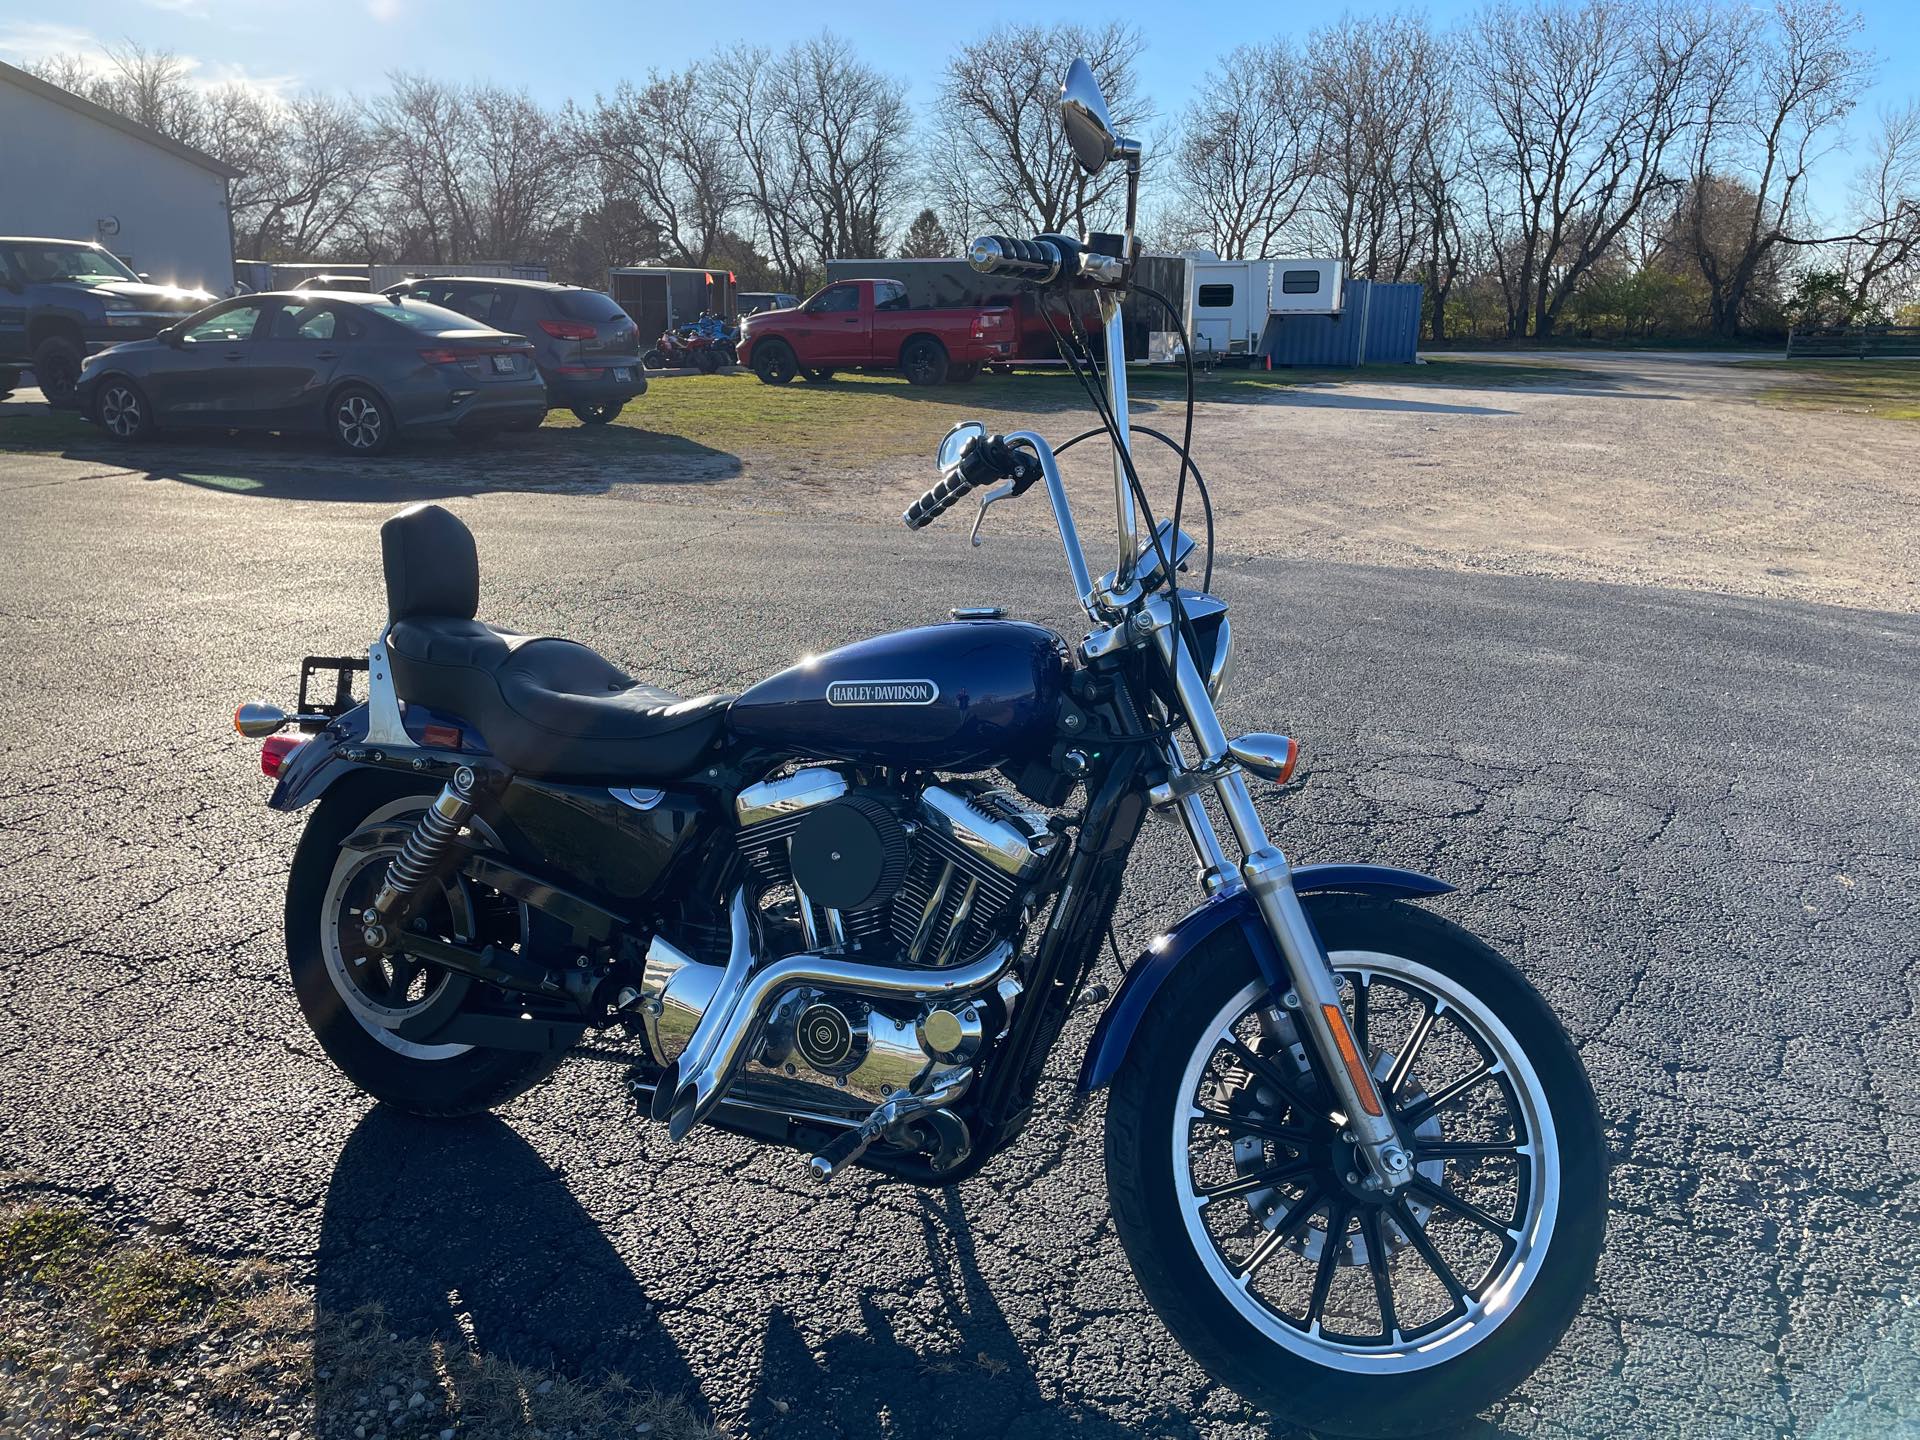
961 697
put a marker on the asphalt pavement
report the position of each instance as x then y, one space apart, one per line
1692 820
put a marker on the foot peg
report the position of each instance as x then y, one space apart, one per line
896 1109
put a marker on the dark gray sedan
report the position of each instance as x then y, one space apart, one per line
365 369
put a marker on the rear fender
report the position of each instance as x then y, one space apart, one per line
317 766
1114 1035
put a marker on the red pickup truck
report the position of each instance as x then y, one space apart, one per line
866 325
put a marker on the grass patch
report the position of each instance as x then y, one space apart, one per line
1884 389
142 1338
45 430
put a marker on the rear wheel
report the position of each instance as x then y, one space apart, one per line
1246 1215
354 999
654 360
56 365
707 361
360 422
774 362
924 361
122 410
596 414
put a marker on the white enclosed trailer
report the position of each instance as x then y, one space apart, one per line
1229 301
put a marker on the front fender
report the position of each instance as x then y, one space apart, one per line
1113 1036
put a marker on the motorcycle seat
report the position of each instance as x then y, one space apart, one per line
549 708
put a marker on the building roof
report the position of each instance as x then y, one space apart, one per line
34 85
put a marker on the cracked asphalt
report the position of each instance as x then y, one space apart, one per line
1691 819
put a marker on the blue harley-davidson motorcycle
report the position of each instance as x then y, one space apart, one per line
1352 1156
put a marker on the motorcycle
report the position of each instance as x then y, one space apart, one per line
1351 1154
705 345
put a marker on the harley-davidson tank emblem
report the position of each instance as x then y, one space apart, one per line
882 692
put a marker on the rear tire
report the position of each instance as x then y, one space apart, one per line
775 363
1326 1361
432 1080
56 365
924 361
359 422
707 361
121 409
596 414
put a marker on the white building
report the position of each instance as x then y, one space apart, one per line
74 171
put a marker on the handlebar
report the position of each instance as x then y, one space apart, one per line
1039 260
983 461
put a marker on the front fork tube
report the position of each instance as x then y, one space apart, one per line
1310 987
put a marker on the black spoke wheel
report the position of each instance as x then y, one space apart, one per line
56 365
775 363
1257 1230
924 361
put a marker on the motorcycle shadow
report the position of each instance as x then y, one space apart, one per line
871 1381
461 1233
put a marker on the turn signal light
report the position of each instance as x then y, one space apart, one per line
277 751
1271 757
1350 1057
256 719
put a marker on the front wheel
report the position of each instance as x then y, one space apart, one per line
924 362
122 410
774 362
1247 1216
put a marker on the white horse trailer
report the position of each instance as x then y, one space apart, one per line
1229 301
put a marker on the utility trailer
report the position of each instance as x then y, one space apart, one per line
660 297
954 284
1232 303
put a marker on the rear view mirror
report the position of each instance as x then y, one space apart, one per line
1083 111
956 442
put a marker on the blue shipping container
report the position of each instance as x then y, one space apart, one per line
1380 325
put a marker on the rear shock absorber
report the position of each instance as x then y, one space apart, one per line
421 859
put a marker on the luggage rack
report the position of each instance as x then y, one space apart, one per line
315 713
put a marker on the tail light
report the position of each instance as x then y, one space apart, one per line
277 750
569 329
984 323
442 357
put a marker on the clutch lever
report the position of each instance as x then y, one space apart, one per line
1005 490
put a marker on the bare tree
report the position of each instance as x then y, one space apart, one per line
1440 162
926 238
1584 104
1244 159
663 147
422 128
312 168
1883 262
521 175
998 157
1777 90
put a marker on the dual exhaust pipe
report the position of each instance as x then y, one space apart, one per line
743 999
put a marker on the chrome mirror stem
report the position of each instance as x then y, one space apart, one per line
1128 519
1083 586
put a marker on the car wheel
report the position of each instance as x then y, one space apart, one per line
122 410
924 362
359 421
817 377
596 414
775 363
56 365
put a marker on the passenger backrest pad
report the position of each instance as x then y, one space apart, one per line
431 563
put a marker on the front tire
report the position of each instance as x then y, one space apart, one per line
122 411
774 362
1250 1229
56 365
346 993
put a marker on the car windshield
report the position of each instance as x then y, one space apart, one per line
425 318
45 264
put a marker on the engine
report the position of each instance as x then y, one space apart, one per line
898 879
926 879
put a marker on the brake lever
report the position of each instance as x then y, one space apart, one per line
1003 491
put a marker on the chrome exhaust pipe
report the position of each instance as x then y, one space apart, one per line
715 1013
696 1087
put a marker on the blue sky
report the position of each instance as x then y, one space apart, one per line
558 49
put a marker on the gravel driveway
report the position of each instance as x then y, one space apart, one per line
1690 817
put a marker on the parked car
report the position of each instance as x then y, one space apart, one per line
752 302
587 347
364 369
338 284
62 299
867 325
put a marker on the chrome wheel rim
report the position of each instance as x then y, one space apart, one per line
1268 1194
359 422
366 984
120 411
